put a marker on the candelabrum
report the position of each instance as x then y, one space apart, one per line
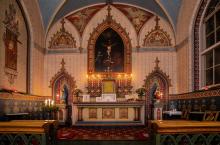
122 86
94 85
49 109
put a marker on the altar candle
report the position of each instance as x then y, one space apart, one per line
49 102
52 102
45 102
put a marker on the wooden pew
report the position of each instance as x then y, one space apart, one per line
40 132
176 132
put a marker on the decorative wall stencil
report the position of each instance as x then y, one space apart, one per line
108 113
197 43
93 113
63 85
10 38
81 18
123 113
137 16
62 39
157 37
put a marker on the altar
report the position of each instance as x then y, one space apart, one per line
108 113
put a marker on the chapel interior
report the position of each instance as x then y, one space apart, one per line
110 72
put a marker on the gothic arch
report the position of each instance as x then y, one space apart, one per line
109 23
197 42
161 79
64 77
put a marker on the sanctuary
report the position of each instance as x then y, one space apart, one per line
73 71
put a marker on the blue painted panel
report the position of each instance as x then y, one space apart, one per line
172 7
47 8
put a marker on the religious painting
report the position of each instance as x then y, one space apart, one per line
81 18
109 52
93 113
137 17
10 38
123 113
10 50
108 113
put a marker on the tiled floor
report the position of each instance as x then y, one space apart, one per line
103 133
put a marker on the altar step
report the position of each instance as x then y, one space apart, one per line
108 123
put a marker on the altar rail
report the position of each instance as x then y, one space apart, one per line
28 132
185 132
197 101
17 103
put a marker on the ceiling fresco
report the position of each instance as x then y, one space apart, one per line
138 17
54 10
81 18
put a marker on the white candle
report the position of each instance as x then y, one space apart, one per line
52 102
49 102
45 102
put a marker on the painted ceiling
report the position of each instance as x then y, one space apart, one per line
54 10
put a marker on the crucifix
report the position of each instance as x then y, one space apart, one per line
62 63
157 62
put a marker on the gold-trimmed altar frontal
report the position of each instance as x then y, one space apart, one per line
185 126
107 112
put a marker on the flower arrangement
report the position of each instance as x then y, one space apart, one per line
141 92
77 92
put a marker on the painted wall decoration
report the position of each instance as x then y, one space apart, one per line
157 37
81 18
62 39
109 52
137 16
108 113
10 38
93 113
123 113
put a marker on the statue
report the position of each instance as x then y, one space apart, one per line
64 96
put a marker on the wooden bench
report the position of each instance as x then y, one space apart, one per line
40 132
183 131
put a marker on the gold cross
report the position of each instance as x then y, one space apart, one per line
63 63
62 22
157 62
157 22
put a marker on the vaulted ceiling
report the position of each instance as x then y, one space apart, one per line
53 10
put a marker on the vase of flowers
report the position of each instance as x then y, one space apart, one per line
141 92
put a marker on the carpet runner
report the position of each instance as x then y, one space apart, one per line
103 133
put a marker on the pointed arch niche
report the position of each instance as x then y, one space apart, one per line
63 85
109 24
121 75
156 80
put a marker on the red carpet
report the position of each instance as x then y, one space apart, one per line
103 133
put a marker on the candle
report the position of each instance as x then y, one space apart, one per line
49 102
52 102
45 102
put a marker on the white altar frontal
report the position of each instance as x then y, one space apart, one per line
108 113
